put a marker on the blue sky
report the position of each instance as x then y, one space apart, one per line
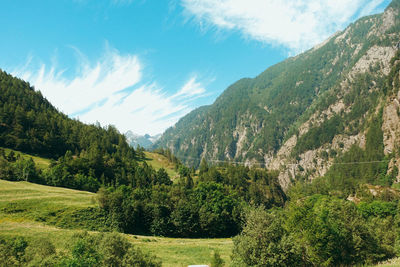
142 64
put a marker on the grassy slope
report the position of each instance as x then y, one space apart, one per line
159 161
40 162
37 200
154 159
392 263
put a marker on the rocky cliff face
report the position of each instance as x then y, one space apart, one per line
300 115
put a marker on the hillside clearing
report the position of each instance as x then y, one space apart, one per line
40 162
159 161
33 200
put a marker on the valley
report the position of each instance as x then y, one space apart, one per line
298 166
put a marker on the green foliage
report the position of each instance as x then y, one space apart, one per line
359 166
12 251
263 241
83 254
216 260
377 208
394 4
203 168
318 136
88 155
210 207
218 210
31 124
108 249
86 172
315 231
333 232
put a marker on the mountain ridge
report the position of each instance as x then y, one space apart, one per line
146 141
267 118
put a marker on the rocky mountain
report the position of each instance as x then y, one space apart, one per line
305 114
145 141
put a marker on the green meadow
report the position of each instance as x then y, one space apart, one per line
40 162
159 161
36 211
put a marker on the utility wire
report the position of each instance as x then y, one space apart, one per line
289 164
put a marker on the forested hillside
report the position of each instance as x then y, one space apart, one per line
87 155
133 196
300 165
299 115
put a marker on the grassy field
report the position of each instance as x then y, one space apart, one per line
159 161
23 205
392 263
13 192
172 251
40 162
154 159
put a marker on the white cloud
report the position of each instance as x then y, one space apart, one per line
190 89
295 24
109 92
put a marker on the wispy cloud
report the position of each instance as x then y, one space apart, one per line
112 91
295 24
190 89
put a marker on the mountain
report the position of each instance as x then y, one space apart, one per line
145 141
303 114
31 124
84 156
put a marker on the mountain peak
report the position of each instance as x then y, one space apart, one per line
145 141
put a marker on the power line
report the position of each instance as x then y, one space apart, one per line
360 162
289 164
223 161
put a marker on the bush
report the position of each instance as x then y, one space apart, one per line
265 242
313 231
109 249
216 260
12 251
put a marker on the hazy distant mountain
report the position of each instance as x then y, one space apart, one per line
145 141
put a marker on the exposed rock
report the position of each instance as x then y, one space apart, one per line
310 162
342 36
375 55
241 139
391 126
388 19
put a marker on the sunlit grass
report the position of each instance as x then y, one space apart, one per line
40 162
184 252
28 202
392 263
43 195
159 161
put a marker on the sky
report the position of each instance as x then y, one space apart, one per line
140 65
